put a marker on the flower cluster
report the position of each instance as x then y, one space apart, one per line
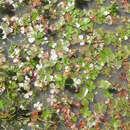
64 63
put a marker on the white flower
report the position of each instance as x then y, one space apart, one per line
67 68
38 84
39 27
14 78
22 30
20 1
67 7
77 25
87 77
9 1
31 39
45 38
5 36
27 95
61 4
51 99
53 55
49 1
82 43
39 66
109 19
2 89
54 45
88 37
2 32
27 78
119 39
52 85
10 29
96 92
5 19
125 38
52 91
69 4
38 106
83 64
102 64
81 37
14 18
51 77
86 92
15 60
107 101
30 28
91 65
21 84
15 5
20 22
89 41
17 51
21 65
66 49
27 58
22 107
77 81
106 13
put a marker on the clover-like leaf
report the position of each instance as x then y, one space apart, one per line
104 84
46 114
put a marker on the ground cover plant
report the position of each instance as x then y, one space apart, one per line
64 64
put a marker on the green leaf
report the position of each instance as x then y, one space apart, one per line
94 73
104 84
90 96
107 39
85 101
100 16
58 67
26 21
113 9
85 112
1 104
105 56
20 78
74 118
34 15
58 77
82 93
12 85
115 123
90 85
107 94
46 114
100 108
100 1
33 62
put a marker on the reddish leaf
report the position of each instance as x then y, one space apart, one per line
123 92
124 2
82 124
68 17
35 113
36 3
123 76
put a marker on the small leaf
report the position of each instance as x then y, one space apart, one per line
1 104
12 85
58 66
104 84
46 114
